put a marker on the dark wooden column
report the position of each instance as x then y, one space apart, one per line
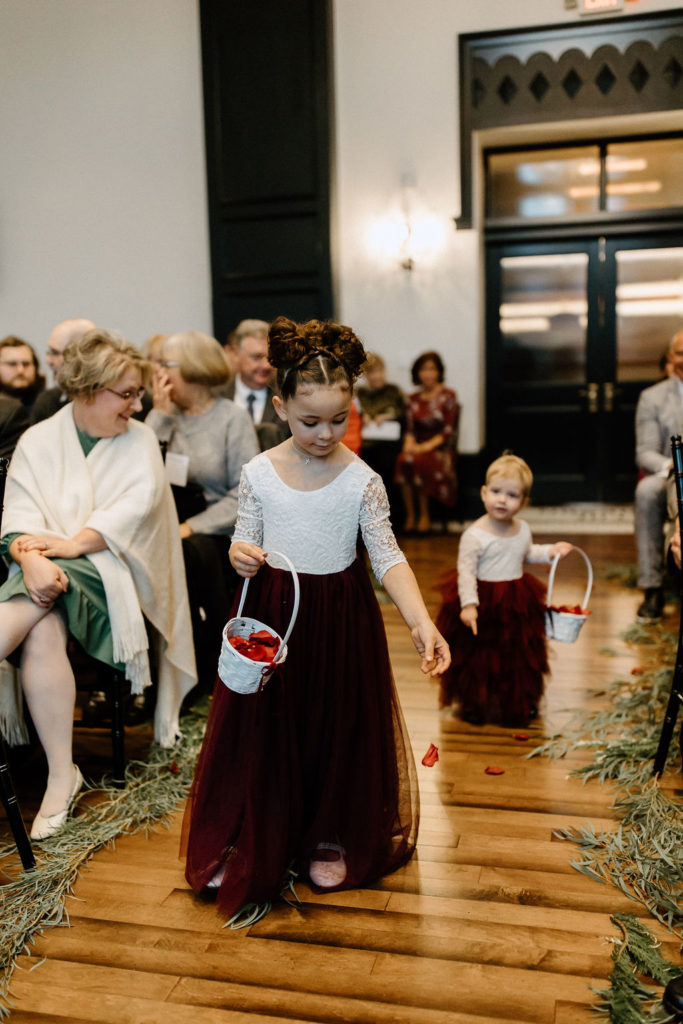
267 100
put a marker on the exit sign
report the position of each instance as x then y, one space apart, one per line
600 6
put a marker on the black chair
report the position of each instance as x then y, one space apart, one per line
113 684
7 792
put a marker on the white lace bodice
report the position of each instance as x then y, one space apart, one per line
317 530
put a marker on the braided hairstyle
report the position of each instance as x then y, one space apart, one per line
316 352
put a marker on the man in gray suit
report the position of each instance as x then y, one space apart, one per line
250 386
659 415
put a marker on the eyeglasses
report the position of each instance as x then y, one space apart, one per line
127 396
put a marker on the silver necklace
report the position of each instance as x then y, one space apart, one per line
300 453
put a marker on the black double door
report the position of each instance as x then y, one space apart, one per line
575 330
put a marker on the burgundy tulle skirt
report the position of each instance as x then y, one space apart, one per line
321 754
497 675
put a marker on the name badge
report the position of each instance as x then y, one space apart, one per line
177 467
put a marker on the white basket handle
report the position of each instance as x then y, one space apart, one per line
295 609
589 567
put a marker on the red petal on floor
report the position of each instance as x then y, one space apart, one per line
431 757
494 770
521 736
637 671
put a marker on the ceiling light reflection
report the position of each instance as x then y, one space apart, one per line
524 325
565 307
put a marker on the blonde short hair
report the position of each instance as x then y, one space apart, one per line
509 465
96 361
151 347
373 362
200 358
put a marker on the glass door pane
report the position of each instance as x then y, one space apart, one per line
649 309
644 174
544 183
543 317
541 402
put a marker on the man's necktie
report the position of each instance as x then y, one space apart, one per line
251 398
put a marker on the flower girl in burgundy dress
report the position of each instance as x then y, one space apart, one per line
493 613
314 772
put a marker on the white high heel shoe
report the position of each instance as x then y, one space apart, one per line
43 827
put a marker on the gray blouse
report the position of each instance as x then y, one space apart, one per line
217 443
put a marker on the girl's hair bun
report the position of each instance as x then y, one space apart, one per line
286 343
315 352
343 345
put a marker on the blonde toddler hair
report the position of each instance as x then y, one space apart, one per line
510 465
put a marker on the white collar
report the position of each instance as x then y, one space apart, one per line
241 389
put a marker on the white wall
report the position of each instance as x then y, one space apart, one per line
102 183
396 110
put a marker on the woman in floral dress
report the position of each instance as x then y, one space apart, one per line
426 466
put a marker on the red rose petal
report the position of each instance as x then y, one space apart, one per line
494 770
238 642
265 638
174 768
637 671
521 736
574 609
261 645
431 757
257 652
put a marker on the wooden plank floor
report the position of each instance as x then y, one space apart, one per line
489 921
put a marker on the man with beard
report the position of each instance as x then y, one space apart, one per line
20 375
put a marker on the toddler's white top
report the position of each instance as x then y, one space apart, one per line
489 556
317 530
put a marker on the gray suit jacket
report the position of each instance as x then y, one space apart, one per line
659 414
271 431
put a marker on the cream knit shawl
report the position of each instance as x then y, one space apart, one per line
121 491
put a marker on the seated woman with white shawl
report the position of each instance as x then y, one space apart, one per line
91 533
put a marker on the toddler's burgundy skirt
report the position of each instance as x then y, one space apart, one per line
320 754
497 675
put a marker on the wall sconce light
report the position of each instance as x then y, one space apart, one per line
408 233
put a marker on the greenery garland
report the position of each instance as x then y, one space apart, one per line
643 858
628 1000
35 900
624 732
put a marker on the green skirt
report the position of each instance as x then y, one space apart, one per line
83 607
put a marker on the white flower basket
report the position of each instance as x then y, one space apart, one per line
241 674
566 626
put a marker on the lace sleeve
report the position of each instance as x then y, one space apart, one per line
376 528
249 523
